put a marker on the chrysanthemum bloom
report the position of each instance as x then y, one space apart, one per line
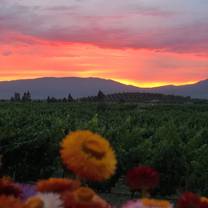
10 202
148 203
204 202
49 200
133 204
142 178
27 190
84 198
154 203
204 199
9 188
88 155
57 185
188 200
34 202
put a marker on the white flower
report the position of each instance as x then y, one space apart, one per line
50 200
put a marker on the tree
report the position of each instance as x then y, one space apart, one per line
48 99
26 96
53 100
29 97
17 97
100 96
70 98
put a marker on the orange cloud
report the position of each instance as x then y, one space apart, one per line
37 58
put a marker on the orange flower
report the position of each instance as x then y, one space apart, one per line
156 203
57 185
34 202
88 155
44 200
10 202
204 199
83 198
8 187
204 202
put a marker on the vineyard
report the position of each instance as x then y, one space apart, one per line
171 138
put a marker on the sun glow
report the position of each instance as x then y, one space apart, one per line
123 81
141 68
151 84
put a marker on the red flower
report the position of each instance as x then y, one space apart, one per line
203 205
189 200
9 188
10 202
142 178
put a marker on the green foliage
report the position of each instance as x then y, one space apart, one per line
171 138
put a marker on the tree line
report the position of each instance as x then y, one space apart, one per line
27 97
124 97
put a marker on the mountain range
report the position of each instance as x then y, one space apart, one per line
40 88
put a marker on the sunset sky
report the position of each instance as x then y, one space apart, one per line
142 42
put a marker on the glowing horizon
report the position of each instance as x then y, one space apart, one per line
126 82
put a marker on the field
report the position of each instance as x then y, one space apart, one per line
171 138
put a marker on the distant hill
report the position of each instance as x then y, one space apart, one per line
197 90
82 87
60 87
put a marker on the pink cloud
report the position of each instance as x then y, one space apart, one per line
120 25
